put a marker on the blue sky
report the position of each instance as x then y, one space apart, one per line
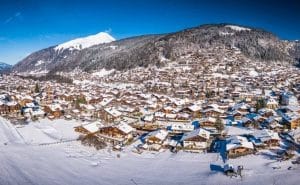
29 25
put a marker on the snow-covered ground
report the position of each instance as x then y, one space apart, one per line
70 163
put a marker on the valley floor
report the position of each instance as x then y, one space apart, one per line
48 154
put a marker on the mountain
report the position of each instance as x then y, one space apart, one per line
4 67
142 51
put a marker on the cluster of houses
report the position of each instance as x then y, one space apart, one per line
193 104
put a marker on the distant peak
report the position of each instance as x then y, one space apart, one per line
86 42
237 28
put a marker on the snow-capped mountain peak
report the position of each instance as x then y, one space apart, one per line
237 28
85 42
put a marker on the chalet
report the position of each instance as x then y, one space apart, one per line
243 108
237 115
265 138
196 140
9 107
194 110
294 122
266 112
88 111
110 114
155 139
207 122
213 112
89 128
66 97
272 104
272 123
295 135
119 134
247 122
181 128
238 146
291 119
54 110
159 115
149 118
25 99
171 116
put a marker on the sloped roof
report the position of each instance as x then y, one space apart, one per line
198 132
125 128
159 134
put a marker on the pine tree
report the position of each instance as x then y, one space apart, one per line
37 88
260 103
219 124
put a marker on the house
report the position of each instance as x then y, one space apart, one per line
89 128
272 123
119 134
213 112
193 110
110 114
265 138
295 135
207 122
291 119
272 104
196 140
181 128
237 146
54 110
9 107
155 139
88 111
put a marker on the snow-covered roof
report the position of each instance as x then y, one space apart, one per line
265 135
149 118
182 127
55 107
11 103
295 133
194 108
92 127
30 105
198 132
159 134
238 141
38 112
159 114
125 128
171 116
88 106
114 112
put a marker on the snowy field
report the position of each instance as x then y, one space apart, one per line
36 154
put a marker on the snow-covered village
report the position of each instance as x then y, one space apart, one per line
233 123
149 92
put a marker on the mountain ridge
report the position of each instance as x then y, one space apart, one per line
142 51
4 67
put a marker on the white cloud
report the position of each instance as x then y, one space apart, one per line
16 16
